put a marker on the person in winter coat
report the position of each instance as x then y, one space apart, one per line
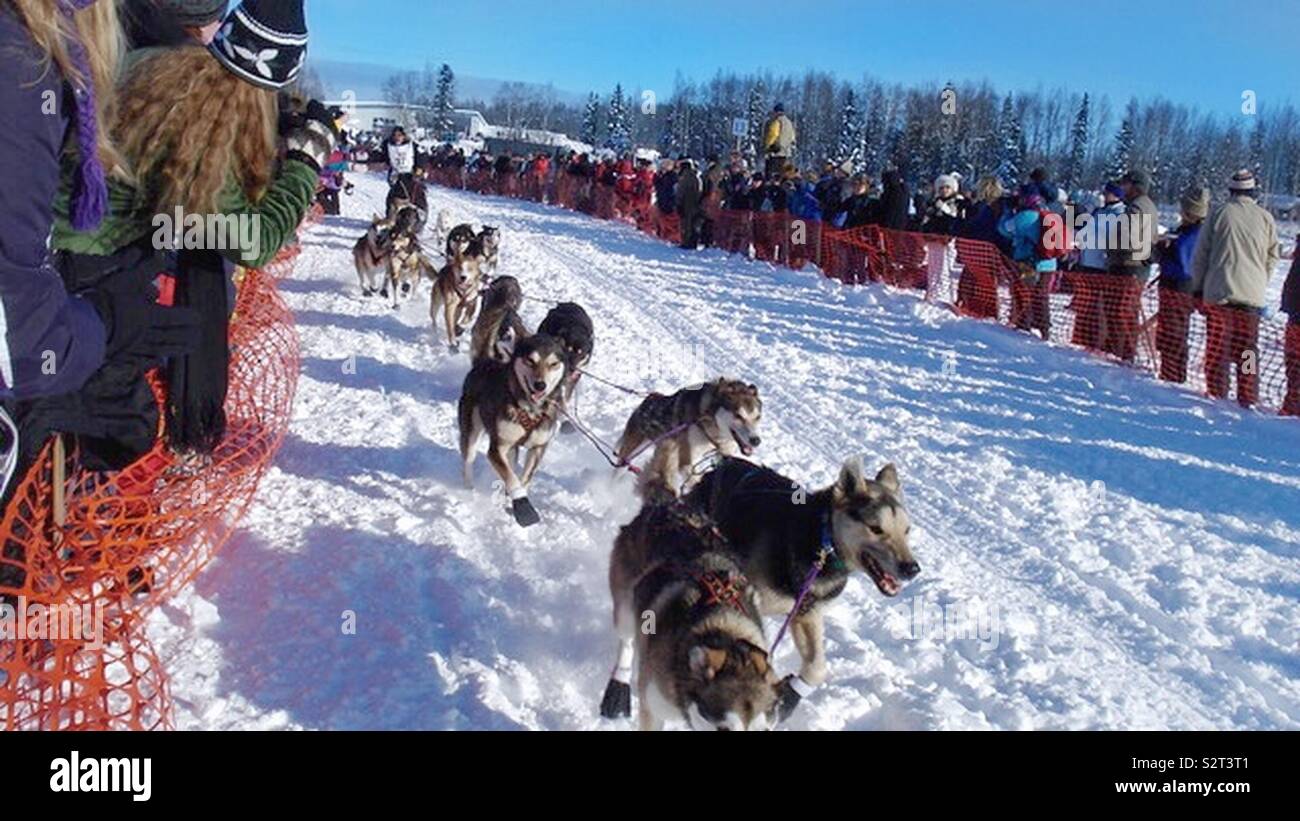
1235 256
986 213
688 203
947 211
1291 307
894 201
1130 264
666 188
1092 324
56 340
779 139
859 208
1094 258
1031 296
1174 253
400 152
832 188
199 128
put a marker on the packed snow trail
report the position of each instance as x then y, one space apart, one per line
1125 554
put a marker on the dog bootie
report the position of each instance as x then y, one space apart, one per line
454 347
617 702
788 698
525 514
567 428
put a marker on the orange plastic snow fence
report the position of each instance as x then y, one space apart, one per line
123 543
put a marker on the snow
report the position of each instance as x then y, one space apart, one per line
1098 551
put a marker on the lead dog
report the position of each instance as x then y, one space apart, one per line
721 417
704 658
778 532
372 253
516 403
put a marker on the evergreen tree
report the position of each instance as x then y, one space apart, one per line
444 102
1257 140
756 112
591 120
1011 149
1122 155
849 147
618 132
1074 172
875 134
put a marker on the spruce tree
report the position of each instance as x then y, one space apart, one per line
444 102
1011 149
1074 171
591 120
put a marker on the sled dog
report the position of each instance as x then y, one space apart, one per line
721 417
778 531
516 404
456 294
704 660
499 327
373 252
459 240
489 240
570 324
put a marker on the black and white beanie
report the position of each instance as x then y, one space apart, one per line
264 42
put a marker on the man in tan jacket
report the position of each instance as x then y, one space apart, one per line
1235 257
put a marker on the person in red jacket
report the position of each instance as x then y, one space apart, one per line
645 184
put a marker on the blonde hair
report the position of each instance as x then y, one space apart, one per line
188 125
97 28
990 190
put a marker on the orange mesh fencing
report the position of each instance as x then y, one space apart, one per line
1219 351
124 543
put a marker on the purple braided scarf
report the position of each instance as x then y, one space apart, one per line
90 190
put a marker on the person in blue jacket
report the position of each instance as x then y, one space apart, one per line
1174 253
51 342
1031 299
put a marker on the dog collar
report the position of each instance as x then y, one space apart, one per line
828 552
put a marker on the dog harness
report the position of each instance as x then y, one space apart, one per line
721 591
525 420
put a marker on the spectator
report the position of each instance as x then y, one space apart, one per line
832 188
1031 295
1291 307
688 203
778 141
1095 257
1092 281
860 207
894 201
1235 256
666 188
150 23
947 211
209 151
1174 253
1130 263
400 152
1043 187
983 217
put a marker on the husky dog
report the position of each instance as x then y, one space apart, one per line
406 262
499 327
705 660
459 240
719 417
778 532
570 324
489 239
373 252
441 229
456 292
516 403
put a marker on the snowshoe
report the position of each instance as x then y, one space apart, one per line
525 514
617 702
787 699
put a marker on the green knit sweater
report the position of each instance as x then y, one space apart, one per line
269 223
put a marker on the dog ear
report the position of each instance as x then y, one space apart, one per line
706 661
852 482
888 479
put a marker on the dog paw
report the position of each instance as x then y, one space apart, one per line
617 702
525 514
788 698
454 348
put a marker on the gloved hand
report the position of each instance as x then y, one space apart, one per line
142 332
314 137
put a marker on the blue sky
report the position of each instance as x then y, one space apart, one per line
1202 52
